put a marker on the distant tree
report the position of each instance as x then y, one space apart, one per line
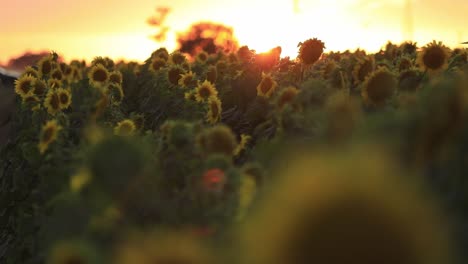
207 36
158 21
27 59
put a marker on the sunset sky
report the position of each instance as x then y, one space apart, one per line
118 29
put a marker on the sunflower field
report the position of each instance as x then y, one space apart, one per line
240 157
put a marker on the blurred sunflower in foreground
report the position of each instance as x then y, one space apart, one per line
162 248
338 209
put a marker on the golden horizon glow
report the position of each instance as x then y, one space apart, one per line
119 31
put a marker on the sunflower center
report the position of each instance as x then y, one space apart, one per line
434 58
64 98
55 101
100 75
46 67
174 76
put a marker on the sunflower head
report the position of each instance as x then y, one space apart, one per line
116 77
267 86
379 87
221 67
160 53
167 247
244 140
64 98
343 211
174 74
362 69
116 93
57 74
48 135
157 64
40 87
52 102
177 58
204 91
24 85
46 65
404 63
201 57
287 96
98 75
32 100
218 139
409 48
433 57
125 128
72 252
54 83
187 80
214 110
31 71
244 54
310 50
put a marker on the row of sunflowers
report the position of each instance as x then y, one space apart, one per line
239 157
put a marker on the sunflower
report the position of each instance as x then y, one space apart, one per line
287 96
46 65
379 87
433 57
340 210
98 75
48 135
52 102
40 87
187 79
404 63
116 93
65 68
31 72
362 69
177 58
174 74
328 69
72 252
24 85
32 101
163 248
190 95
201 57
116 77
310 51
221 67
214 110
57 74
244 140
156 64
211 74
125 128
54 83
204 91
160 53
266 86
64 98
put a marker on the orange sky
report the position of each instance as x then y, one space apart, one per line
118 29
